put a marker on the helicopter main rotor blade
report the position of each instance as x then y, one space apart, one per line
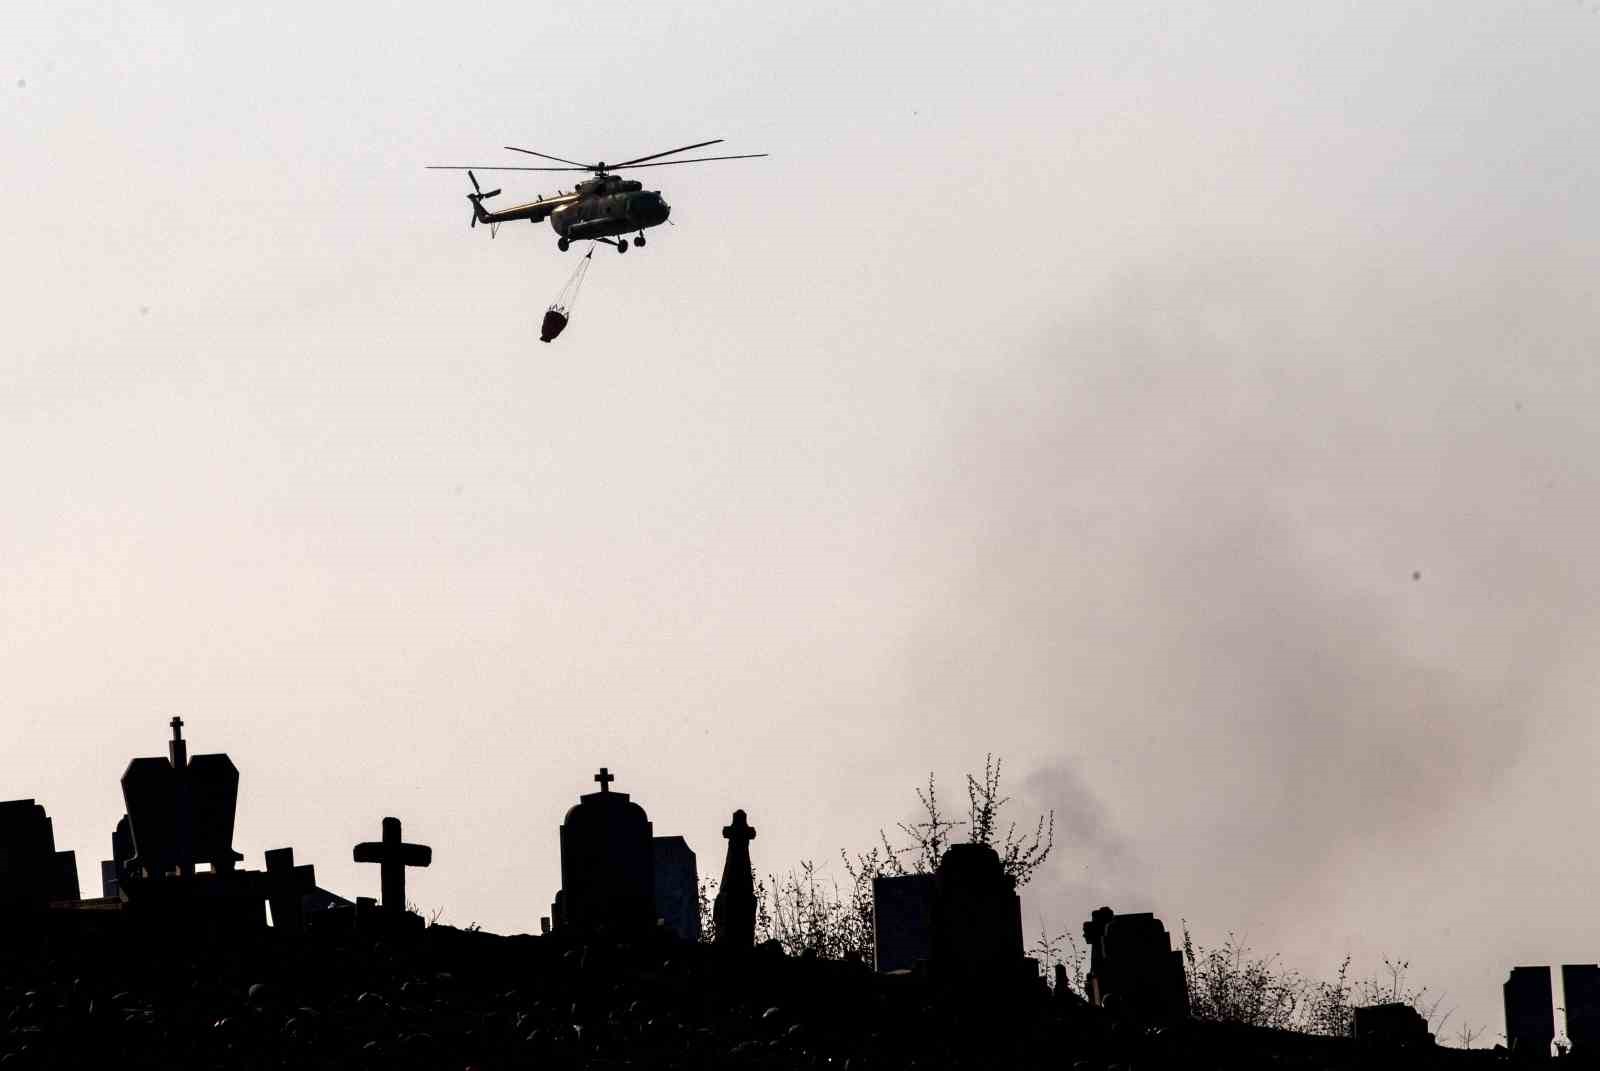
547 156
693 160
653 156
491 167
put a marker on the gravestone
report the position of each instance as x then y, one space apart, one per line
32 872
1133 968
1580 994
977 918
734 911
114 871
1390 1024
180 811
902 921
607 864
558 912
1530 1012
393 855
287 887
677 881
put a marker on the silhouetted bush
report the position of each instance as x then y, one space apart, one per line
1230 984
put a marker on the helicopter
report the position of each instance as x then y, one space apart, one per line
604 208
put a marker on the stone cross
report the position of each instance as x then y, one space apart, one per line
393 856
605 778
735 909
287 883
741 833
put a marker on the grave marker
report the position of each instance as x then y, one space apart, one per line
977 918
735 908
180 811
902 921
1133 967
1390 1024
607 863
1530 1012
677 881
32 872
1580 994
393 855
287 886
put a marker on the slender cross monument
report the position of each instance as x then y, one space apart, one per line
393 856
734 911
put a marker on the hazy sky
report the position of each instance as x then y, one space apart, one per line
1193 403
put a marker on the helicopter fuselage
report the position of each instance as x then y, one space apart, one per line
611 207
600 208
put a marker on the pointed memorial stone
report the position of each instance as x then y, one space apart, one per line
734 911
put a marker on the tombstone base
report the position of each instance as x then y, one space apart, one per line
204 906
366 918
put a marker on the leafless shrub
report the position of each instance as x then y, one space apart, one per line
811 917
1228 984
1232 985
1064 949
926 841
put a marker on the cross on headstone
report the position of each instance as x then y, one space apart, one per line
286 884
180 811
178 750
393 856
741 830
605 778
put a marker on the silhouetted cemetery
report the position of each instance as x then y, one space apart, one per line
176 964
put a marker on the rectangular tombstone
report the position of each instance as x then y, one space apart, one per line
182 816
32 872
1391 1024
1580 994
1133 967
66 881
1530 1012
677 887
977 919
902 921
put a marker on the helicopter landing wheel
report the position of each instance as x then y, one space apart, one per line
563 245
622 247
638 241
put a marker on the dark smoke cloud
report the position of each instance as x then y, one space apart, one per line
1289 551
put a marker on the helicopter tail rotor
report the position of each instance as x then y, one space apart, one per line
477 197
